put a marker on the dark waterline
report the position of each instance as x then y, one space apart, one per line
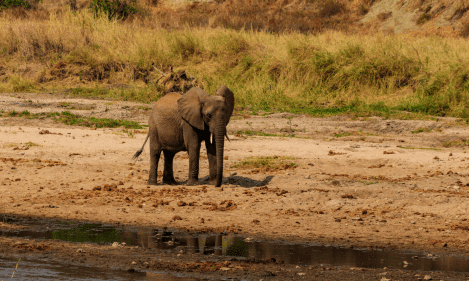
236 246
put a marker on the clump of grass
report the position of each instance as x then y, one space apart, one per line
26 4
72 119
18 114
423 18
267 163
421 130
455 143
355 133
424 148
31 144
259 133
114 9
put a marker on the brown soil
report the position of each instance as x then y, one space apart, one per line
379 186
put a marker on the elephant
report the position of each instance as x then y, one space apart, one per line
180 123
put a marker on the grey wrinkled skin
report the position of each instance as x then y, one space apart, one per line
180 123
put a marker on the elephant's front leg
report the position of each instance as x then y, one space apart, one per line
194 151
212 159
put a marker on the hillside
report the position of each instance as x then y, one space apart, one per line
318 57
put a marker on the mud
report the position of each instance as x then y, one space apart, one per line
368 182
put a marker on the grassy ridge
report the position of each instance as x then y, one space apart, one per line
321 74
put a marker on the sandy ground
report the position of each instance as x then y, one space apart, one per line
381 186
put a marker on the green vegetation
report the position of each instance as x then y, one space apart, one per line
72 119
421 130
30 144
455 143
5 4
114 9
267 163
356 133
259 133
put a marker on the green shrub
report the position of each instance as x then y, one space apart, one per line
5 4
114 9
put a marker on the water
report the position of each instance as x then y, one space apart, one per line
42 271
236 246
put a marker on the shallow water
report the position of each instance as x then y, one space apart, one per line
42 271
237 246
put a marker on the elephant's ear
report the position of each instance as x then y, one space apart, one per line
190 107
229 101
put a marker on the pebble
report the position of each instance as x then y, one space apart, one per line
427 277
134 263
456 187
80 251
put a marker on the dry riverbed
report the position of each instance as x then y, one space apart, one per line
368 183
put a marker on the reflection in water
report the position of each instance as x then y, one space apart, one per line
230 245
41 271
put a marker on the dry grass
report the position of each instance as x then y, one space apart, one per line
314 71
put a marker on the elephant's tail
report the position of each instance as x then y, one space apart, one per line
137 154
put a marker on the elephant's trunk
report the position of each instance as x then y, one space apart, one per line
220 144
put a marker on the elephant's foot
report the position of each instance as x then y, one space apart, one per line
212 181
193 182
170 182
152 182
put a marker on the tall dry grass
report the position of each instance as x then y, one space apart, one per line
315 73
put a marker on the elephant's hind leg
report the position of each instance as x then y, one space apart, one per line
168 177
155 153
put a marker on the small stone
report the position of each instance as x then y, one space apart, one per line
80 251
134 263
115 244
404 262
456 187
385 279
224 268
427 277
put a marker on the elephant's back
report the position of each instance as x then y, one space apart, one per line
167 106
166 119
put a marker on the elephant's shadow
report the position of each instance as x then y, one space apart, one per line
242 181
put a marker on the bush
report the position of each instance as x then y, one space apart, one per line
114 9
5 4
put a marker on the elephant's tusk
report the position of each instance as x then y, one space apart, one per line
226 135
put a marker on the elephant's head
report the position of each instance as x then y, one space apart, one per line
212 112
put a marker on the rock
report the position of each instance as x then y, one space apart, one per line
224 268
134 263
456 187
385 279
427 277
80 251
301 273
